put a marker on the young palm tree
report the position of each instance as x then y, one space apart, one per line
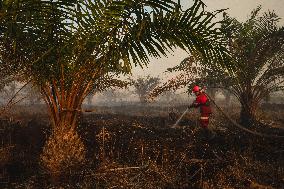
67 47
143 86
257 50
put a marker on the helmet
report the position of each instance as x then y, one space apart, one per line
195 89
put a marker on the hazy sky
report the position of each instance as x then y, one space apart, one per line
239 9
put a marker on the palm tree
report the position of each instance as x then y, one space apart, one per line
257 50
66 47
143 86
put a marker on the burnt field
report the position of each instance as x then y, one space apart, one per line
135 147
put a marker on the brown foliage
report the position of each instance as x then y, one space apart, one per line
63 152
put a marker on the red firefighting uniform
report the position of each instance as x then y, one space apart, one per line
205 110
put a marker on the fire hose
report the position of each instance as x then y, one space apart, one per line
239 125
231 120
226 116
176 123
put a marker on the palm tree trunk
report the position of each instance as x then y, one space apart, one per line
249 108
64 150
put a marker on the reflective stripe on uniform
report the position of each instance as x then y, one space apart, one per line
204 117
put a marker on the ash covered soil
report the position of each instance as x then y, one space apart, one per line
138 151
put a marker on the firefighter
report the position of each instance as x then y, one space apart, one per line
203 103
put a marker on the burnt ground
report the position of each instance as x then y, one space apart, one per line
142 151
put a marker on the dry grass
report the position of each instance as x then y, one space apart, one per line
119 151
64 152
6 155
